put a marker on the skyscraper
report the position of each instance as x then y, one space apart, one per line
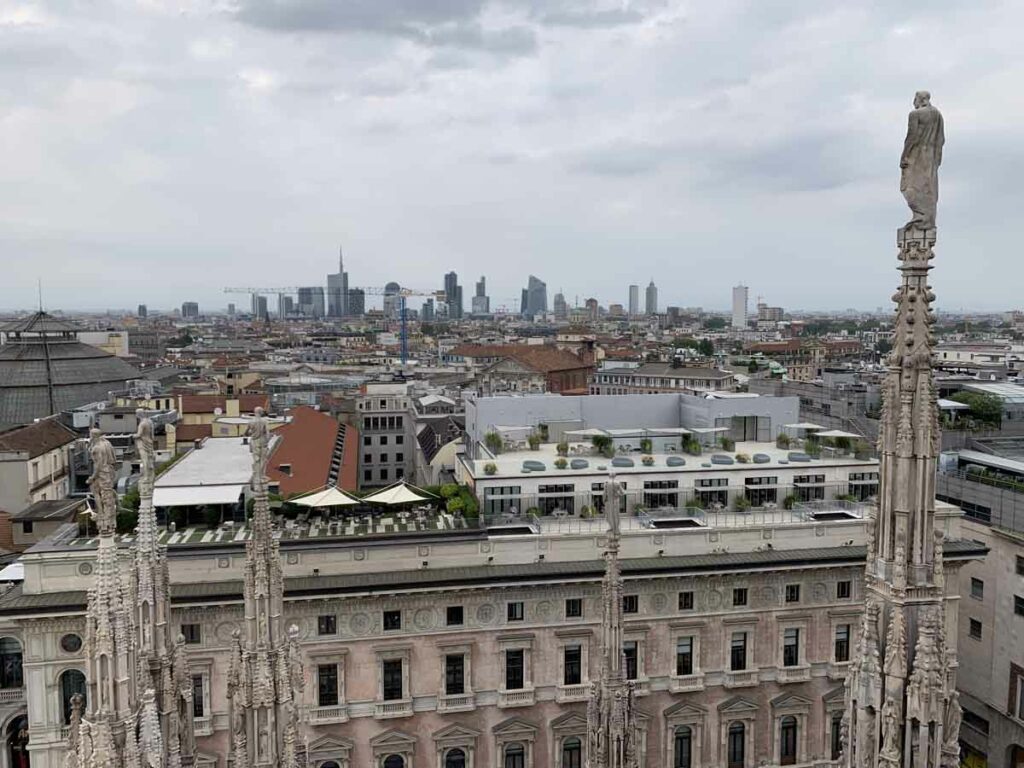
739 306
481 302
231 310
427 312
535 297
392 300
142 311
560 307
189 309
652 299
337 290
634 300
261 308
356 302
311 301
453 295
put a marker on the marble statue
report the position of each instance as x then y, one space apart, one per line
259 442
922 155
144 441
102 480
612 504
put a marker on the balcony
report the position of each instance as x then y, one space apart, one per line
837 670
456 702
203 726
519 698
12 695
577 692
797 674
386 709
741 678
685 683
323 715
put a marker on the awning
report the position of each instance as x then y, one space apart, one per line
196 495
590 432
328 497
399 493
802 425
837 433
708 430
953 405
13 572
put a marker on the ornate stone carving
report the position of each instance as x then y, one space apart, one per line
102 480
919 163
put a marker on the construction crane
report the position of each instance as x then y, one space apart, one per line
402 294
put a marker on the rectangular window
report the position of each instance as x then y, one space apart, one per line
327 624
28 526
974 629
1020 565
686 601
454 674
844 589
574 608
790 647
383 439
514 611
384 474
454 616
738 652
367 458
684 656
193 633
977 589
842 644
836 735
198 699
1018 605
515 670
739 596
367 440
367 475
792 593
392 621
383 458
327 685
391 675
630 659
399 439
573 663
399 458
630 603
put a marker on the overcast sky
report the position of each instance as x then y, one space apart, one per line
157 151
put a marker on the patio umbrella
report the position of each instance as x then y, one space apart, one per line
837 433
399 493
328 497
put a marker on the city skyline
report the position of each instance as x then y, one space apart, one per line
472 115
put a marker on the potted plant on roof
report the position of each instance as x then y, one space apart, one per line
648 461
534 441
562 448
490 468
561 463
645 445
493 442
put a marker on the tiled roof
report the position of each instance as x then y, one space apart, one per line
209 403
666 369
307 444
542 358
52 510
188 432
38 438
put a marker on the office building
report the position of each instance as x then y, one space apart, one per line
311 301
739 306
560 307
392 300
427 312
356 302
285 306
142 312
261 308
231 310
651 306
337 290
453 295
652 378
535 297
254 304
190 309
634 300
481 302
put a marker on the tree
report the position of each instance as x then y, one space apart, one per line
883 347
986 408
713 323
706 348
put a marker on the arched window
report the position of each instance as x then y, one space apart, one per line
572 753
394 761
515 756
71 682
836 734
10 663
737 745
330 764
455 758
682 750
787 740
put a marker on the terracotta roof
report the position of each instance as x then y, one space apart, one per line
306 443
542 358
37 438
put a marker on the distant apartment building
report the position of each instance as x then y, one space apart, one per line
142 312
356 302
190 309
535 297
975 356
634 300
651 303
525 368
34 464
561 309
740 296
386 451
652 378
311 301
481 301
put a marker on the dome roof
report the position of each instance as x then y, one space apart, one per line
44 369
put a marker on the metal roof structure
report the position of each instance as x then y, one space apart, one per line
1005 391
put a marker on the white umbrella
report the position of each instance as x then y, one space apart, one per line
328 497
836 433
400 493
802 425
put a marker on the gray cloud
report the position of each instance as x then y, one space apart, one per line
500 137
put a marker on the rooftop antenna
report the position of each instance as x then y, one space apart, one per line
39 288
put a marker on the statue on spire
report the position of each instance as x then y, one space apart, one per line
922 155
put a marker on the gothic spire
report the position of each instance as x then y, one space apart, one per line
902 706
611 712
265 679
